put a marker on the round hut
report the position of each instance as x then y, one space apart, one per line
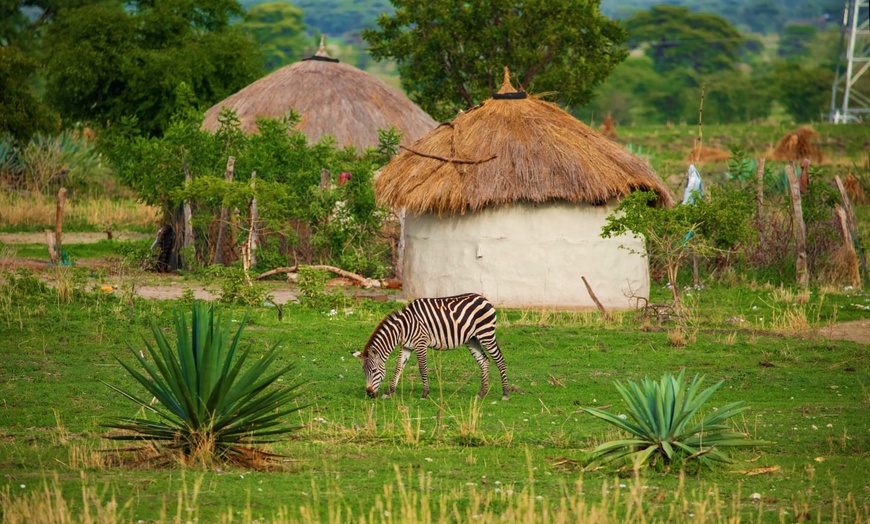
509 199
332 98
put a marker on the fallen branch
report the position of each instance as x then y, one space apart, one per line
357 279
277 271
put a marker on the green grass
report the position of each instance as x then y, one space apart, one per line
811 396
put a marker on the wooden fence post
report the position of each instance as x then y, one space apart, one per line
852 224
54 239
800 235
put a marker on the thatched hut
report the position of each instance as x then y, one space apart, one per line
509 199
333 98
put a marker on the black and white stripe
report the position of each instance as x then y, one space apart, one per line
440 323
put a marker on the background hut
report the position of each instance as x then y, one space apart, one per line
333 99
509 199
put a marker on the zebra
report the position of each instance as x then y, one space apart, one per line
440 323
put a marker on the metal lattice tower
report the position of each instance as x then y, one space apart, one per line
854 104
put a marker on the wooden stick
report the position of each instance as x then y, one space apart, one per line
187 235
803 276
58 224
852 222
759 188
225 213
254 217
451 160
595 299
849 244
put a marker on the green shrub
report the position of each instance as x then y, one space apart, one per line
662 424
211 406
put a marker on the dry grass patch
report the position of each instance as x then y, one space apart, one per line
102 213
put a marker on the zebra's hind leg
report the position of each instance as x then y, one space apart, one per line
491 346
482 361
400 365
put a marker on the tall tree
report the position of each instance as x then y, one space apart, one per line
110 59
451 54
805 92
278 28
676 37
21 112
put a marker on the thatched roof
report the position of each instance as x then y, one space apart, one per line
512 148
333 98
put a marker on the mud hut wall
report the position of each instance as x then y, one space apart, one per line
524 256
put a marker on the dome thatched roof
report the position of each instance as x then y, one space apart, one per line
512 148
333 99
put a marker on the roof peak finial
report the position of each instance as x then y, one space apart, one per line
322 50
506 86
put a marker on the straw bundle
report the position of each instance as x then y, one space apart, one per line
707 154
333 98
512 148
608 128
798 145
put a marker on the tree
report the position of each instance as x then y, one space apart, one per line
279 30
678 38
805 92
109 60
794 41
451 54
21 112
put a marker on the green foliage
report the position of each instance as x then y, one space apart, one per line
313 292
794 41
451 55
721 221
804 91
235 286
278 29
21 112
211 405
662 424
110 60
678 38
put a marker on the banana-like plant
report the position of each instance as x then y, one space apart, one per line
209 403
663 424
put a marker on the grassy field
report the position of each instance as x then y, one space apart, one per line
450 458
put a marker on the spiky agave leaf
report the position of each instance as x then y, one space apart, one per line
659 421
203 392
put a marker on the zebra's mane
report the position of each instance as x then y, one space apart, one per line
392 315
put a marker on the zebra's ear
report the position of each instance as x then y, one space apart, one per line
357 354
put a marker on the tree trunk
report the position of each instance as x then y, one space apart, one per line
220 244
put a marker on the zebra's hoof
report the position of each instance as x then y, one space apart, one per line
504 397
386 395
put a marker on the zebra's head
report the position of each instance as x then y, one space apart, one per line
374 355
373 371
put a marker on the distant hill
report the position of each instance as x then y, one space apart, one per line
340 17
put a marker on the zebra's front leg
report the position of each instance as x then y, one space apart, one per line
424 375
483 362
400 365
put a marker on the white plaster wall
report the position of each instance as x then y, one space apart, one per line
524 255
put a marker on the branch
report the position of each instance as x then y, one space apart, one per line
451 160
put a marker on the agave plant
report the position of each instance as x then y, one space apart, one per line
209 404
663 424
